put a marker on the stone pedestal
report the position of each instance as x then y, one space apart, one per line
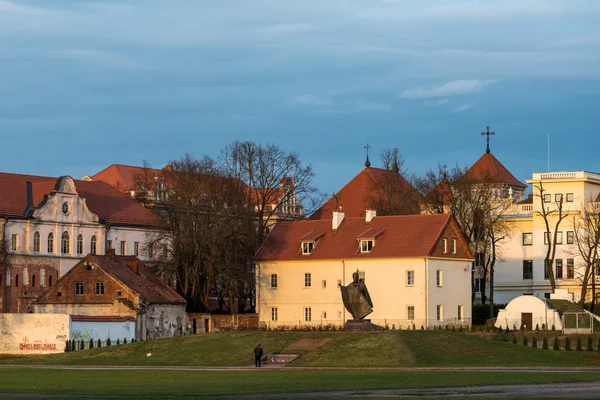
361 325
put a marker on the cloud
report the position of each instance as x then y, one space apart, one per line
462 108
362 106
443 101
453 88
310 100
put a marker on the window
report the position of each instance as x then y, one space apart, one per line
307 280
273 281
439 313
558 197
78 288
559 238
79 245
14 241
528 239
480 259
36 241
136 249
93 245
307 314
324 284
460 313
366 245
150 250
307 247
410 313
273 313
453 246
123 247
99 288
109 244
17 280
410 278
569 197
65 243
119 293
527 269
546 237
478 285
570 237
438 278
50 281
570 268
444 246
547 198
33 280
361 276
559 269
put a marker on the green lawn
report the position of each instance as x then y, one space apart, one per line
136 384
354 349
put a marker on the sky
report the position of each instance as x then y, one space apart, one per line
86 84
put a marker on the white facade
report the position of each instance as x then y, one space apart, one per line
529 311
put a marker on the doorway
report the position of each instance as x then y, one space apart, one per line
526 320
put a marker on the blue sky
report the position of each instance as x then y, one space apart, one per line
87 84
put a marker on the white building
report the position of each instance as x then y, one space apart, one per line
49 224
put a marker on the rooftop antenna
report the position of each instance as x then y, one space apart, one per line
548 153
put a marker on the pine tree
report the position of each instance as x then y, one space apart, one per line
525 343
556 344
507 331
567 344
578 347
514 340
124 340
534 343
68 346
73 345
91 343
99 343
545 343
108 342
118 342
82 345
590 346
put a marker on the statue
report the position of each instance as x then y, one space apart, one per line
356 298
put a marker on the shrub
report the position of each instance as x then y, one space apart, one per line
91 344
522 328
124 340
422 328
556 345
567 344
133 340
81 345
553 327
68 346
505 339
460 329
537 327
141 340
545 343
99 343
578 346
506 329
118 342
453 328
534 343
514 327
525 343
543 327
590 346
73 345
414 328
108 342
514 340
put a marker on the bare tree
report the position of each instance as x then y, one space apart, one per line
436 188
392 160
550 212
586 225
145 184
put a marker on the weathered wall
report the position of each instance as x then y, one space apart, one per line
162 321
26 278
116 308
33 333
234 322
87 330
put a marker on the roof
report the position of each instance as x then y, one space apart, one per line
403 236
488 168
123 177
100 318
102 199
353 198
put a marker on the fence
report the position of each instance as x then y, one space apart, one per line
394 324
537 323
578 322
76 345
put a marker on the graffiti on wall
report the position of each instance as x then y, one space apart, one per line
36 345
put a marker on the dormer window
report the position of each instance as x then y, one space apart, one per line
307 247
366 245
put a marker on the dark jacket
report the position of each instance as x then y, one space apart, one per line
258 351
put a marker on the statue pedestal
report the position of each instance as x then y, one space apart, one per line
361 325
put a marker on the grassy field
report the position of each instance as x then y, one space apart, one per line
136 384
343 349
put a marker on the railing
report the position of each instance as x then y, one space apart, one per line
394 324
578 323
527 208
560 175
538 323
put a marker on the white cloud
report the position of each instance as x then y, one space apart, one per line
448 89
366 106
443 101
462 108
307 99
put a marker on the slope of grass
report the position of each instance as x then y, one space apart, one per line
346 349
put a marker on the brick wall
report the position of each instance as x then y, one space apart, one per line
234 322
29 278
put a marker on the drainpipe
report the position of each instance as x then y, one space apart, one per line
343 283
4 290
426 291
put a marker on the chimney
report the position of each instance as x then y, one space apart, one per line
134 266
29 208
338 217
369 215
111 253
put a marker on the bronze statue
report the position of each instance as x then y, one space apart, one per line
356 298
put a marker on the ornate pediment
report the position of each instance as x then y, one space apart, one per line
63 204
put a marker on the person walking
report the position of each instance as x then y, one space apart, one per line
258 352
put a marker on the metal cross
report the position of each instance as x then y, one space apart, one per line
367 162
488 133
367 147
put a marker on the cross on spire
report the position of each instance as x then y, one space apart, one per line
488 133
367 162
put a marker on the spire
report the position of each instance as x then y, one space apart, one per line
367 162
488 133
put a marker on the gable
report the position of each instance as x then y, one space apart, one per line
452 232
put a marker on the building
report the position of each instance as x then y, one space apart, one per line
116 296
521 271
136 182
416 268
49 224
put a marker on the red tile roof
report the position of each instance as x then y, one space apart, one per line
489 169
398 236
102 199
122 177
109 318
354 196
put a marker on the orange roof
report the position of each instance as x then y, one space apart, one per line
102 199
441 193
489 169
397 236
122 177
354 196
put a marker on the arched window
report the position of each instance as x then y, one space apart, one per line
93 245
36 241
50 281
17 280
65 243
51 242
80 244
33 280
